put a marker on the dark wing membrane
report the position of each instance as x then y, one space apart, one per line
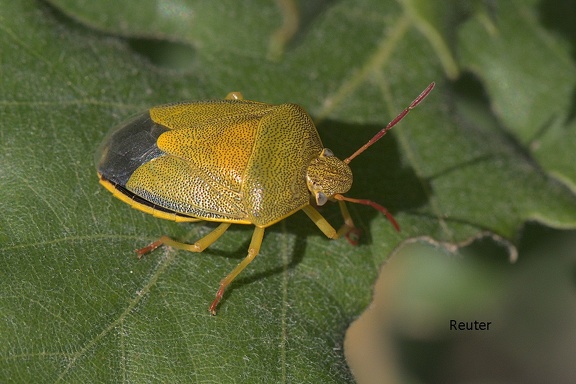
128 147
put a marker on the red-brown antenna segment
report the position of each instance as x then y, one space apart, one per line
397 119
377 137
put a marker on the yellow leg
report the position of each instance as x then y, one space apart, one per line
348 222
348 228
321 222
198 246
253 250
325 226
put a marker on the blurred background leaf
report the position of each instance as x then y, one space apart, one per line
491 148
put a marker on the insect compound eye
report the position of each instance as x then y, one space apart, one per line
321 198
327 153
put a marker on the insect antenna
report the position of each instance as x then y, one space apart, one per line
396 120
377 137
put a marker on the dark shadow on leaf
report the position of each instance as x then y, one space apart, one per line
572 113
165 54
469 90
240 251
574 275
470 87
247 278
558 17
379 174
162 53
308 12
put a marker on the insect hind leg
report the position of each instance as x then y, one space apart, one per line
198 246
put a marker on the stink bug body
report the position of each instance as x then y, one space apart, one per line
231 161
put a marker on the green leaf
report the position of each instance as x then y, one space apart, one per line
76 303
530 78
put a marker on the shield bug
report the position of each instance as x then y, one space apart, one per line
231 161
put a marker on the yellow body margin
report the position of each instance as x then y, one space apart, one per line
142 207
161 214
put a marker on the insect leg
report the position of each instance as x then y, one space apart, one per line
321 222
198 246
347 228
253 250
